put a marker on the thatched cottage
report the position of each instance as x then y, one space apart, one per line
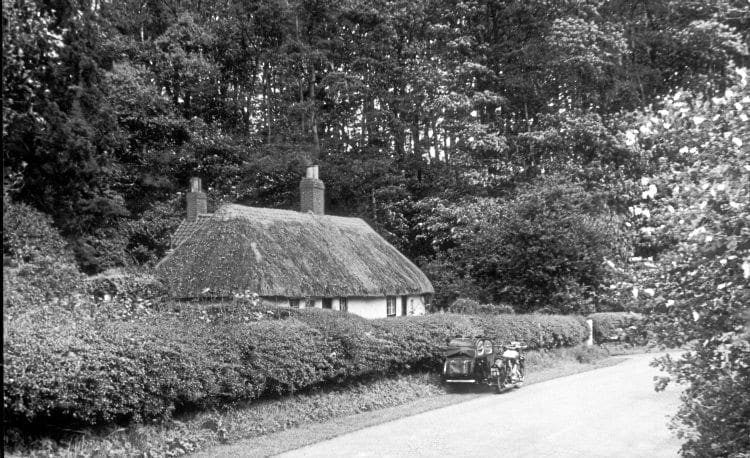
299 259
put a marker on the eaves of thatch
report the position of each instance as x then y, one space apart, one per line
287 254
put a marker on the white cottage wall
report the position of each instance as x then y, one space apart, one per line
366 307
416 305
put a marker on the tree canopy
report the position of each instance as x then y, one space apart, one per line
111 106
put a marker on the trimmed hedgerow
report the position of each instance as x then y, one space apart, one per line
472 307
122 284
623 326
64 370
538 331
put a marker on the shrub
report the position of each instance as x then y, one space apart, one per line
38 266
122 284
538 331
543 249
62 369
623 326
28 234
149 235
472 307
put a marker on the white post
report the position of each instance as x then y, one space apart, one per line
590 340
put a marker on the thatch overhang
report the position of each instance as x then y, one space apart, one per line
287 254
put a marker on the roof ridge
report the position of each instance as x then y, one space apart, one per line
239 211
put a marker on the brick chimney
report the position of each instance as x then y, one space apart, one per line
196 200
312 192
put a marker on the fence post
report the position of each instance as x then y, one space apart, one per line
590 340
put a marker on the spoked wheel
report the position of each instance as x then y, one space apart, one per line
502 376
521 370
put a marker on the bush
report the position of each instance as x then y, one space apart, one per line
538 331
38 266
622 326
62 369
472 307
544 249
121 284
29 234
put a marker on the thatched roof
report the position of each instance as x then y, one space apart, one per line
289 254
188 228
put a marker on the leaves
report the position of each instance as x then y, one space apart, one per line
700 269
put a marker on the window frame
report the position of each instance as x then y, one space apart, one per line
390 306
327 303
294 302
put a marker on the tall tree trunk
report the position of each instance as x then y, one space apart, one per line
267 96
417 150
313 116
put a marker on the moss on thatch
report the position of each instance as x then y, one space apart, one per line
289 254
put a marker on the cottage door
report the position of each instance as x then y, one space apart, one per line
403 305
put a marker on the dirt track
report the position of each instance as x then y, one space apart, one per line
609 412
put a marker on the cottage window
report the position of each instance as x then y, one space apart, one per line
391 305
294 303
343 304
327 303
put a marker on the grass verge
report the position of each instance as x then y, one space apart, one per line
284 423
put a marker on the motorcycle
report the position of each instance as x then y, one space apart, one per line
509 369
476 361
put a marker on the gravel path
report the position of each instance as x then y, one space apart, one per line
609 412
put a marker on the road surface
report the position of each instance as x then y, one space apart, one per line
608 412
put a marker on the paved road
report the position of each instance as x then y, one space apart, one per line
609 412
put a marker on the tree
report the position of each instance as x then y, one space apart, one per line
699 194
543 249
59 133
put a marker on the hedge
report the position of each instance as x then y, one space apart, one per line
472 307
64 370
621 326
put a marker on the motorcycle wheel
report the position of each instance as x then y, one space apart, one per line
501 378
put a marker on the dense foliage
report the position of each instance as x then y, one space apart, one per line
110 106
543 249
619 326
63 368
37 266
695 212
472 307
